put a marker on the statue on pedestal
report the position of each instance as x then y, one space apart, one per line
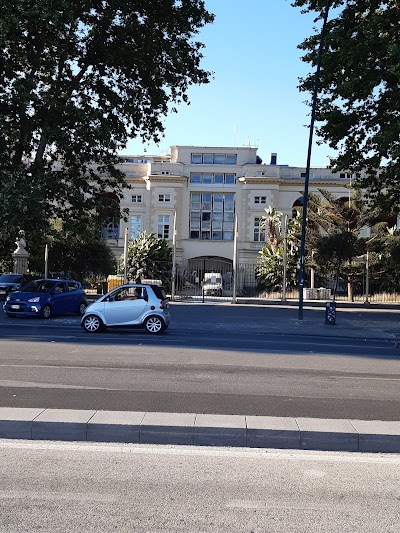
21 243
21 255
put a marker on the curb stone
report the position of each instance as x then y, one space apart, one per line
200 429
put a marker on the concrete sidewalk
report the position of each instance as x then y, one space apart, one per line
200 430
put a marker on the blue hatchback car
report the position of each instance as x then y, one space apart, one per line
47 297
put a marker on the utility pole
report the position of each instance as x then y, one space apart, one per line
307 178
285 224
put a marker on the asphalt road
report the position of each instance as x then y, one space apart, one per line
86 487
213 359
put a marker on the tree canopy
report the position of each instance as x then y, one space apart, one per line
149 258
78 79
358 109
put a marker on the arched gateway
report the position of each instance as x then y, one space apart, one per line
207 274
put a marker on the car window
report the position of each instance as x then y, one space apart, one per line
143 293
159 292
39 286
59 289
10 278
132 293
117 296
72 286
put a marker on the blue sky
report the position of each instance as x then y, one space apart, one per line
253 98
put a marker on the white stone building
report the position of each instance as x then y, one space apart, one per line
206 187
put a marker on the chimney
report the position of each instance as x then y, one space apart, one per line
273 159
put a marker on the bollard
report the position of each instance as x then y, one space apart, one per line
330 313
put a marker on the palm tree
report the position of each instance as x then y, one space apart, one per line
272 221
339 225
269 268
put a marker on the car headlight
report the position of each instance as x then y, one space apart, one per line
7 298
36 299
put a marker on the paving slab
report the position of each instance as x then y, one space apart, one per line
329 435
220 430
378 435
167 428
272 432
115 426
62 424
16 423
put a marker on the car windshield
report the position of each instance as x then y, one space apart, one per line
39 286
10 278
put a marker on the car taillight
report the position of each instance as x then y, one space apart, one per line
162 304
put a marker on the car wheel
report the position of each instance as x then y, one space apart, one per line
92 324
46 311
82 308
154 325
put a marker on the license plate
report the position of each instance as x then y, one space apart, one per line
14 306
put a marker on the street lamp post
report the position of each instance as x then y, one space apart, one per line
235 261
173 281
367 278
126 256
307 177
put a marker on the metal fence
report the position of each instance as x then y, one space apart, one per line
212 279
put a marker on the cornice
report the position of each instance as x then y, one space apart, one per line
166 178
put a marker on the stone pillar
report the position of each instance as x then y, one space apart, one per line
20 255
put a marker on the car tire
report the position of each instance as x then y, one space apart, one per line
154 325
82 309
92 324
46 311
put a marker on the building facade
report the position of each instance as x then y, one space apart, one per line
205 188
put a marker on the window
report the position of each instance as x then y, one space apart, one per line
212 216
303 175
110 229
163 227
260 199
345 176
135 226
164 197
214 159
208 178
259 230
136 198
72 286
219 159
197 159
165 172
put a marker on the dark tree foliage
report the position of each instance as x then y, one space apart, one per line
77 252
359 92
337 223
77 79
